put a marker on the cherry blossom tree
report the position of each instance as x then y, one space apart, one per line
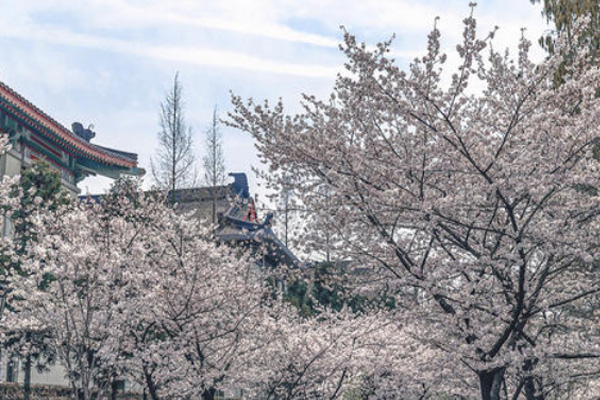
195 303
73 289
39 189
9 201
336 354
129 289
125 288
202 319
471 192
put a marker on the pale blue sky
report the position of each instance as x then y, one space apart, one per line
110 62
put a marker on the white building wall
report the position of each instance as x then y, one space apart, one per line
55 376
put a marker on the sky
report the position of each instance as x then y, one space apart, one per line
110 62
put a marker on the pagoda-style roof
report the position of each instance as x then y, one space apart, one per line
255 234
95 158
237 220
237 225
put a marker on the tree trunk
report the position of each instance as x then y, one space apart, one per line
150 385
530 390
214 205
490 382
209 394
27 379
114 388
531 382
286 224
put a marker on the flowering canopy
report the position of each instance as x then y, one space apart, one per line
126 288
478 206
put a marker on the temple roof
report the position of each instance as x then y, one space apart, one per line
237 219
57 133
233 229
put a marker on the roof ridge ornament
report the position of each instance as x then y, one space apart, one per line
86 134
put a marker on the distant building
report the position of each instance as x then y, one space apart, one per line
37 136
238 222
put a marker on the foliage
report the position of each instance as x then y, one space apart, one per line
461 195
39 188
141 293
565 14
329 286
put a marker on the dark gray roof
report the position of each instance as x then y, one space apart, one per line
234 223
257 235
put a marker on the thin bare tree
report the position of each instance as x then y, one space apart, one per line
214 162
174 163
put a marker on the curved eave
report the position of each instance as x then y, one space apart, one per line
258 234
57 133
110 171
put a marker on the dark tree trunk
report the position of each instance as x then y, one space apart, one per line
152 390
531 383
209 394
530 390
114 388
27 379
490 383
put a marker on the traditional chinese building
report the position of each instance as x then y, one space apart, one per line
238 223
37 136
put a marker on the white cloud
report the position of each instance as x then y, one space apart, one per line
126 15
249 20
193 55
259 48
